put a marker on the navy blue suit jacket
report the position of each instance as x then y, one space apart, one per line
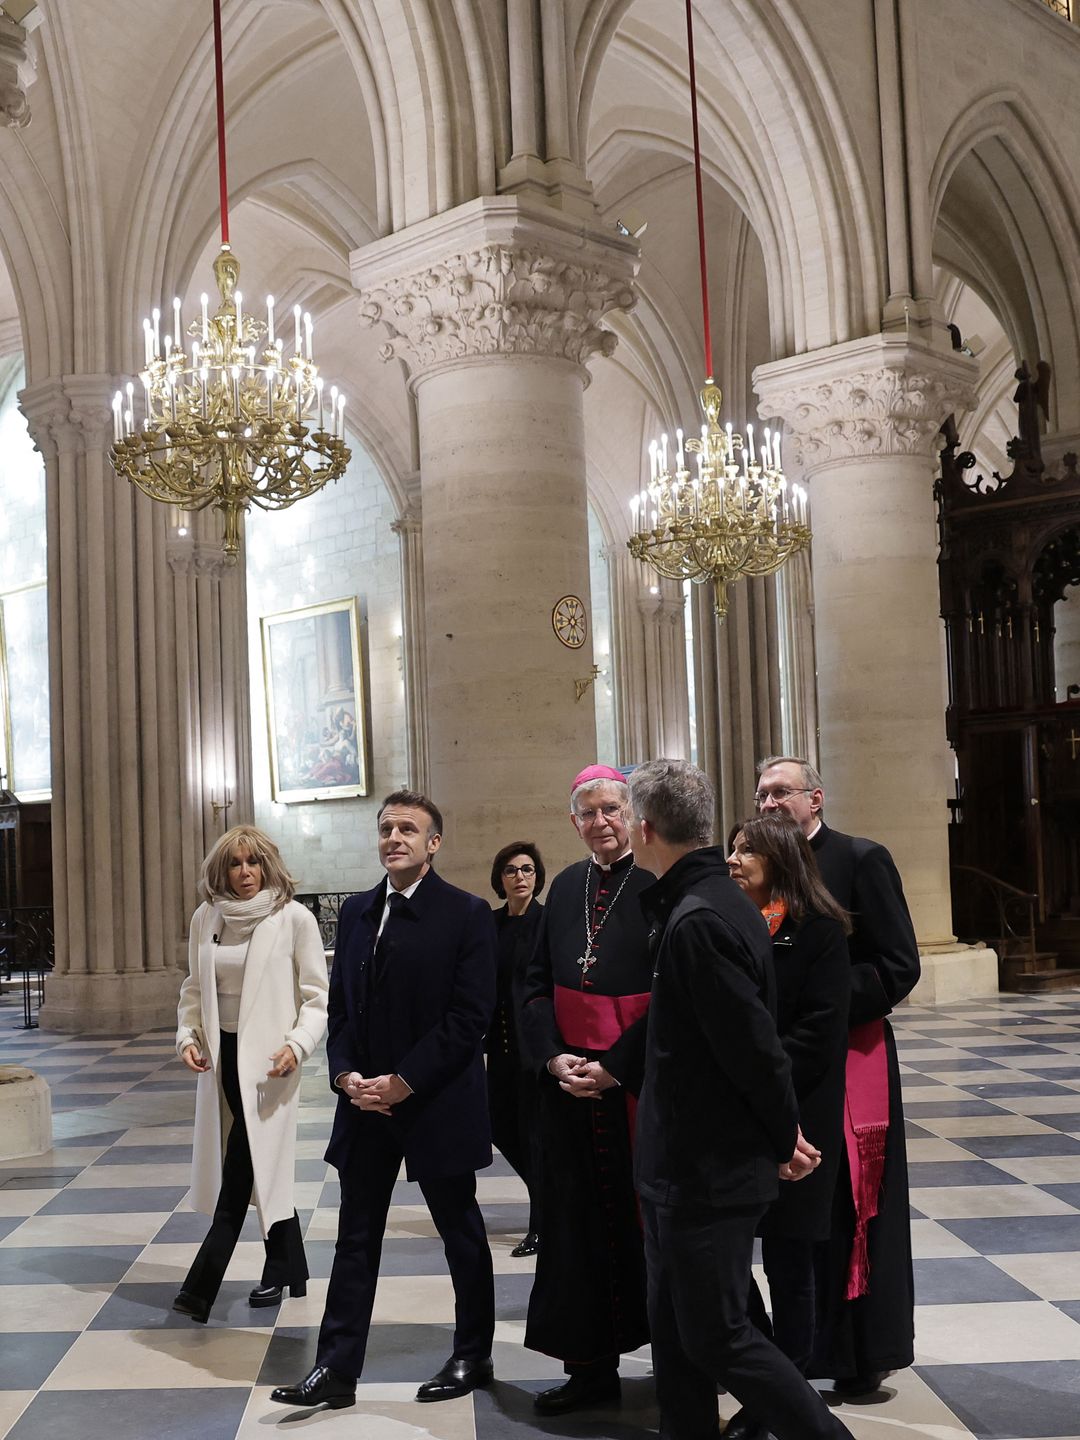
424 1020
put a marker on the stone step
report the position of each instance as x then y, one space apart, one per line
1032 981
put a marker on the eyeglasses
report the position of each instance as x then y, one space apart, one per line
605 812
779 795
509 871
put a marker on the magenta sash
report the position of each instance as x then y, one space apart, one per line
866 1126
588 1021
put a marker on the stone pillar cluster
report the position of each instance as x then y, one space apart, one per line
148 674
648 635
863 419
495 308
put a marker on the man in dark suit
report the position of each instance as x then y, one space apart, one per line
411 995
717 1122
865 1289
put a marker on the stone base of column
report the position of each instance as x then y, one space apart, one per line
955 972
141 1000
25 1118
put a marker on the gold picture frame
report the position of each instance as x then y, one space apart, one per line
316 719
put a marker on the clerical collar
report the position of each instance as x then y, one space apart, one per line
813 832
626 858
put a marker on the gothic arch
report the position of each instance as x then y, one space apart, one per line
789 124
1005 214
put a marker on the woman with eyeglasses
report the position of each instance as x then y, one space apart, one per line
517 876
770 859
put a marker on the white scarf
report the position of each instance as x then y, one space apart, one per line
243 915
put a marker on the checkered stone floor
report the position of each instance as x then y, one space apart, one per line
93 1246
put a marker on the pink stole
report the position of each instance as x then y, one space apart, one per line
866 1124
588 1021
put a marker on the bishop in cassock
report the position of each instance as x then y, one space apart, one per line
865 1290
585 1002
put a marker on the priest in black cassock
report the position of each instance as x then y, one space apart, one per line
865 1291
585 1001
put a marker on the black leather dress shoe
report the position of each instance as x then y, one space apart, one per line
457 1377
856 1385
578 1393
319 1386
742 1426
192 1305
266 1295
528 1246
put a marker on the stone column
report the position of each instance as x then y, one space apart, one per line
127 809
409 530
494 308
209 603
862 420
648 637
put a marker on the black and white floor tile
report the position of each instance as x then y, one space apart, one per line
93 1247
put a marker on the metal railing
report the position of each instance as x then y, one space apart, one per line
326 906
27 948
1015 916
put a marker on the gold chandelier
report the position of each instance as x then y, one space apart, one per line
729 515
732 515
235 421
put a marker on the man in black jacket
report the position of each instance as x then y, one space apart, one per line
717 1123
861 1338
411 994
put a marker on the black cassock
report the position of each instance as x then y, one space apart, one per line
876 1331
512 1085
588 1298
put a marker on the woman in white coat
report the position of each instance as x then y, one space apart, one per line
254 997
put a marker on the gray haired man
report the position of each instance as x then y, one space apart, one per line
717 1122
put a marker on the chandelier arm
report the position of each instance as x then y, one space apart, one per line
706 326
219 89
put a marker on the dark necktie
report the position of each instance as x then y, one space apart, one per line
384 944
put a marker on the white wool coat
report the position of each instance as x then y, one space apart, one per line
283 998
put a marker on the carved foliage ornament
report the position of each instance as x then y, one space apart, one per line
16 74
496 300
886 411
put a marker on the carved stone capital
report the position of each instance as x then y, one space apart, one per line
69 413
880 396
187 555
410 522
494 277
17 71
47 411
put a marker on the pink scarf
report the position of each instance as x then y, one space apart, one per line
866 1124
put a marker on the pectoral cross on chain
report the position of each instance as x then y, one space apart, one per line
587 961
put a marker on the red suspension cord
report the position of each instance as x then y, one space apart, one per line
219 84
700 201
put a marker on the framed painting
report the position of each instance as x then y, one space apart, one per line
315 702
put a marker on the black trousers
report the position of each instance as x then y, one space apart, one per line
698 1261
367 1185
285 1262
513 1102
789 1266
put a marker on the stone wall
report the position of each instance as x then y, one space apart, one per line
603 690
23 609
22 492
329 547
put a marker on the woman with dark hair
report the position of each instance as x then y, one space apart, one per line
770 859
517 876
252 1009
